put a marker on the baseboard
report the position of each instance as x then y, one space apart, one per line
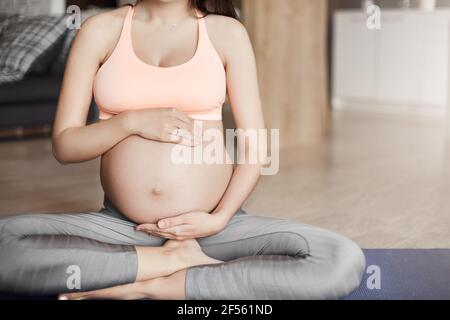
21 132
388 109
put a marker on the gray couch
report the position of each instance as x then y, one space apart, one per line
32 101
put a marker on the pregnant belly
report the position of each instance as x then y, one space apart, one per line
141 179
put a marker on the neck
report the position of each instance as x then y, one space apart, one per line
165 12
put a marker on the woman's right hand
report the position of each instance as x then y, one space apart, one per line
165 125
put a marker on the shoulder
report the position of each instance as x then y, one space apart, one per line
229 36
104 23
100 33
226 28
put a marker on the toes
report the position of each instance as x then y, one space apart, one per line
123 292
72 296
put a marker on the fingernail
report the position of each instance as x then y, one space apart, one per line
161 224
63 298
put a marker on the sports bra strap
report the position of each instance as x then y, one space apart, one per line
128 19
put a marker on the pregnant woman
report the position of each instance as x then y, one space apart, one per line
160 72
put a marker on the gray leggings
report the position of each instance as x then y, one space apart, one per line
265 258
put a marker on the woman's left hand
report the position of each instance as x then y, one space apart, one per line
190 225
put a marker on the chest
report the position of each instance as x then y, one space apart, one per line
166 45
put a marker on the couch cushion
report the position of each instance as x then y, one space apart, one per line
24 40
27 114
4 21
36 88
44 64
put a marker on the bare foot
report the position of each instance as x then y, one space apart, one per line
187 252
190 252
130 291
168 288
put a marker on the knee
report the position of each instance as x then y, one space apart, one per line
14 228
344 271
10 263
13 254
286 243
15 269
6 269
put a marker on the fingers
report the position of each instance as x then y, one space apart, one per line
168 236
176 123
171 222
182 117
174 137
179 232
183 136
152 229
81 295
182 121
178 128
147 227
186 132
177 135
193 129
72 296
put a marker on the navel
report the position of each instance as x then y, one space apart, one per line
157 191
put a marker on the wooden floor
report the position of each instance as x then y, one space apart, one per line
382 180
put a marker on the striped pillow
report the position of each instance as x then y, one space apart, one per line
23 40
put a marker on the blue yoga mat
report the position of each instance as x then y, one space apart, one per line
405 274
392 274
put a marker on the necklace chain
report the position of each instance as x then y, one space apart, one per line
175 24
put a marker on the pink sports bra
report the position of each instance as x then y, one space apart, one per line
197 87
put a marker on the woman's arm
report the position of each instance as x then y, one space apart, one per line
73 140
244 97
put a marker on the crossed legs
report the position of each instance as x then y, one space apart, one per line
252 258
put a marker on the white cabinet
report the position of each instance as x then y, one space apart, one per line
356 50
405 63
400 59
